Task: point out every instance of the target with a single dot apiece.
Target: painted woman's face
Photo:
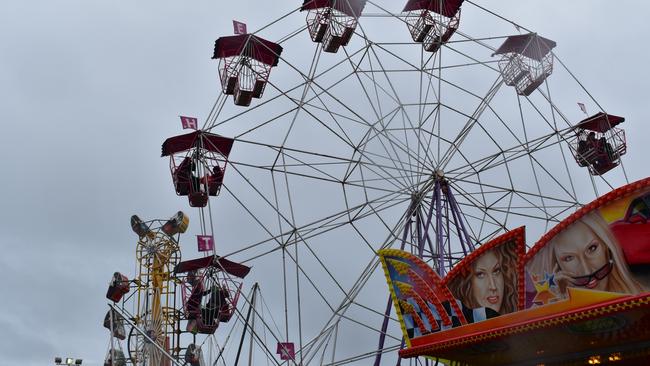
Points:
(580, 252)
(487, 281)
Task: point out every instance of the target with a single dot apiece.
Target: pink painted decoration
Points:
(239, 27)
(205, 242)
(286, 350)
(189, 122)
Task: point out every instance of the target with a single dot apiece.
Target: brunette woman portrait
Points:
(491, 282)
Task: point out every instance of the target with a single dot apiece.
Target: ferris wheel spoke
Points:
(407, 122)
(454, 85)
(513, 189)
(472, 203)
(215, 111)
(350, 295)
(502, 191)
(474, 61)
(316, 288)
(364, 356)
(291, 34)
(398, 148)
(320, 90)
(507, 155)
(455, 146)
(516, 211)
(322, 336)
(305, 274)
(535, 165)
(392, 152)
(306, 82)
(432, 75)
(552, 122)
(435, 89)
(320, 226)
(259, 341)
(533, 161)
(564, 155)
(255, 217)
(391, 176)
(359, 215)
(382, 172)
(299, 270)
(377, 110)
(317, 229)
(300, 104)
(356, 287)
(413, 67)
(511, 210)
(285, 219)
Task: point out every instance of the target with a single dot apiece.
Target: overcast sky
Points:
(90, 89)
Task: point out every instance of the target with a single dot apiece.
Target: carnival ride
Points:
(401, 128)
(591, 305)
(208, 289)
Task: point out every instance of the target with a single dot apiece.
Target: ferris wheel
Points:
(347, 126)
(154, 315)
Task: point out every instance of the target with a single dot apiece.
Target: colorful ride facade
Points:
(580, 295)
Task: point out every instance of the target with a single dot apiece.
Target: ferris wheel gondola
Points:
(194, 355)
(245, 63)
(114, 322)
(599, 143)
(118, 287)
(431, 22)
(198, 164)
(526, 62)
(211, 290)
(332, 23)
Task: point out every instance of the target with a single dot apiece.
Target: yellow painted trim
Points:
(382, 257)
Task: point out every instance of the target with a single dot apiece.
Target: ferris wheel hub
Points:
(151, 335)
(151, 250)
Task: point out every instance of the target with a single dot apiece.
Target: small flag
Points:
(286, 350)
(583, 108)
(189, 122)
(205, 242)
(239, 27)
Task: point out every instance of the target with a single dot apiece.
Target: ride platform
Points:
(590, 327)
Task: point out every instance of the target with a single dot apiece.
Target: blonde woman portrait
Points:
(585, 255)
